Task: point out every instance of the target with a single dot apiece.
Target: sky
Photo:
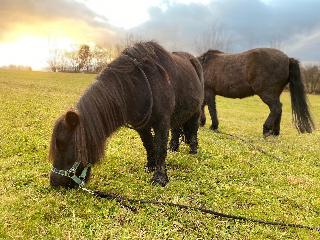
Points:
(31, 29)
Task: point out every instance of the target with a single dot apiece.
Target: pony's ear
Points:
(72, 119)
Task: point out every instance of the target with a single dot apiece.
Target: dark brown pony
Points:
(263, 72)
(147, 88)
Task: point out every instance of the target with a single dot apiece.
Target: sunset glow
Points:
(36, 30)
(27, 51)
(31, 45)
(30, 51)
(30, 34)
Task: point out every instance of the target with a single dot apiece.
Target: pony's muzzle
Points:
(61, 181)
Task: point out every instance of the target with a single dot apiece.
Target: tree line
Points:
(16, 67)
(88, 59)
(311, 78)
(92, 59)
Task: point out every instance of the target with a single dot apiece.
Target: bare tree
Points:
(213, 38)
(131, 39)
(53, 61)
(58, 60)
(84, 56)
(276, 42)
(72, 61)
(100, 57)
(128, 40)
(117, 49)
(311, 77)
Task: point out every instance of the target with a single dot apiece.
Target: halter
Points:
(148, 114)
(71, 173)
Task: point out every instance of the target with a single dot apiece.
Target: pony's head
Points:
(70, 167)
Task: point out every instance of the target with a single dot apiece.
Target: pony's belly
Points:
(183, 112)
(234, 89)
(236, 93)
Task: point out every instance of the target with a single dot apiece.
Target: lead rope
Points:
(121, 200)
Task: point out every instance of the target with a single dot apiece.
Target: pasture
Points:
(226, 175)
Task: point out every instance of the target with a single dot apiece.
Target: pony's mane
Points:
(103, 107)
(53, 145)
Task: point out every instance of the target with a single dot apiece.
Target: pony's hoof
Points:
(193, 151)
(202, 122)
(193, 148)
(174, 147)
(276, 133)
(214, 129)
(186, 140)
(160, 178)
(267, 133)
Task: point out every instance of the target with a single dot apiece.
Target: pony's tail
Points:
(198, 67)
(300, 110)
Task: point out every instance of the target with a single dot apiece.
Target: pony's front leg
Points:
(147, 140)
(160, 141)
(190, 129)
(175, 137)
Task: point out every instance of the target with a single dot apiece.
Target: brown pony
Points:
(262, 71)
(147, 88)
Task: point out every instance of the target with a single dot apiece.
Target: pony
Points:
(146, 88)
(262, 71)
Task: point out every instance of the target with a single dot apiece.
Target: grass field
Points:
(226, 175)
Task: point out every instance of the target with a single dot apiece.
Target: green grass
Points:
(226, 175)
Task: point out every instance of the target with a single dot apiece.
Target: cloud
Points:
(306, 47)
(293, 25)
(49, 18)
(249, 24)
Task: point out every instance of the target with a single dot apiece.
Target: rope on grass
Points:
(124, 200)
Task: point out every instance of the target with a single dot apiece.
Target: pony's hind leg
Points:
(160, 142)
(272, 123)
(203, 116)
(147, 140)
(190, 129)
(210, 99)
(175, 136)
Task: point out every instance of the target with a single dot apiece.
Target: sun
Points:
(33, 51)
